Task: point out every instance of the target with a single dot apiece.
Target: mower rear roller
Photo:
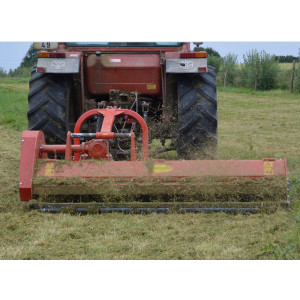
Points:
(147, 208)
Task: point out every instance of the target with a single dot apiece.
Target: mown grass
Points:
(220, 236)
(252, 125)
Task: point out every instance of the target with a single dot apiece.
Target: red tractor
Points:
(169, 85)
(95, 106)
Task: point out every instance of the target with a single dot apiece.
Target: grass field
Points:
(251, 125)
(282, 66)
(287, 66)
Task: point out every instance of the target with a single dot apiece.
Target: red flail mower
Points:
(83, 175)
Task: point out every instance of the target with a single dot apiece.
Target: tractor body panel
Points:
(125, 72)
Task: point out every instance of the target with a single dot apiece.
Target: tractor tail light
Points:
(57, 54)
(51, 54)
(43, 54)
(202, 69)
(201, 54)
(41, 69)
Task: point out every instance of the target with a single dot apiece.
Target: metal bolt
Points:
(21, 183)
(22, 141)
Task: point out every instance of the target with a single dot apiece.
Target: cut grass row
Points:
(252, 125)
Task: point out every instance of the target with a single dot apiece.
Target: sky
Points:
(12, 53)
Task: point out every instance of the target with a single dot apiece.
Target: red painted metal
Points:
(108, 121)
(61, 47)
(73, 54)
(170, 169)
(172, 55)
(83, 148)
(105, 135)
(33, 148)
(184, 47)
(68, 151)
(133, 147)
(30, 152)
(82, 84)
(61, 148)
(125, 72)
(106, 130)
(57, 54)
(201, 54)
(98, 149)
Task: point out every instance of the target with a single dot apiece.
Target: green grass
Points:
(251, 125)
(13, 104)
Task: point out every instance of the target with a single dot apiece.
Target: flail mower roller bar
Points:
(98, 209)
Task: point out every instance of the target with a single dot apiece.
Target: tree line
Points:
(286, 59)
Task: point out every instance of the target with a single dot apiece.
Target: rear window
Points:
(123, 44)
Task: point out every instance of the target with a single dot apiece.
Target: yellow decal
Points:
(49, 170)
(104, 133)
(162, 168)
(151, 86)
(268, 168)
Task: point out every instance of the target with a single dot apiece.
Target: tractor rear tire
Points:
(197, 116)
(48, 106)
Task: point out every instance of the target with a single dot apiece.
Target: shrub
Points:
(259, 70)
(229, 68)
(284, 79)
(2, 72)
(30, 59)
(215, 62)
(210, 51)
(20, 72)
